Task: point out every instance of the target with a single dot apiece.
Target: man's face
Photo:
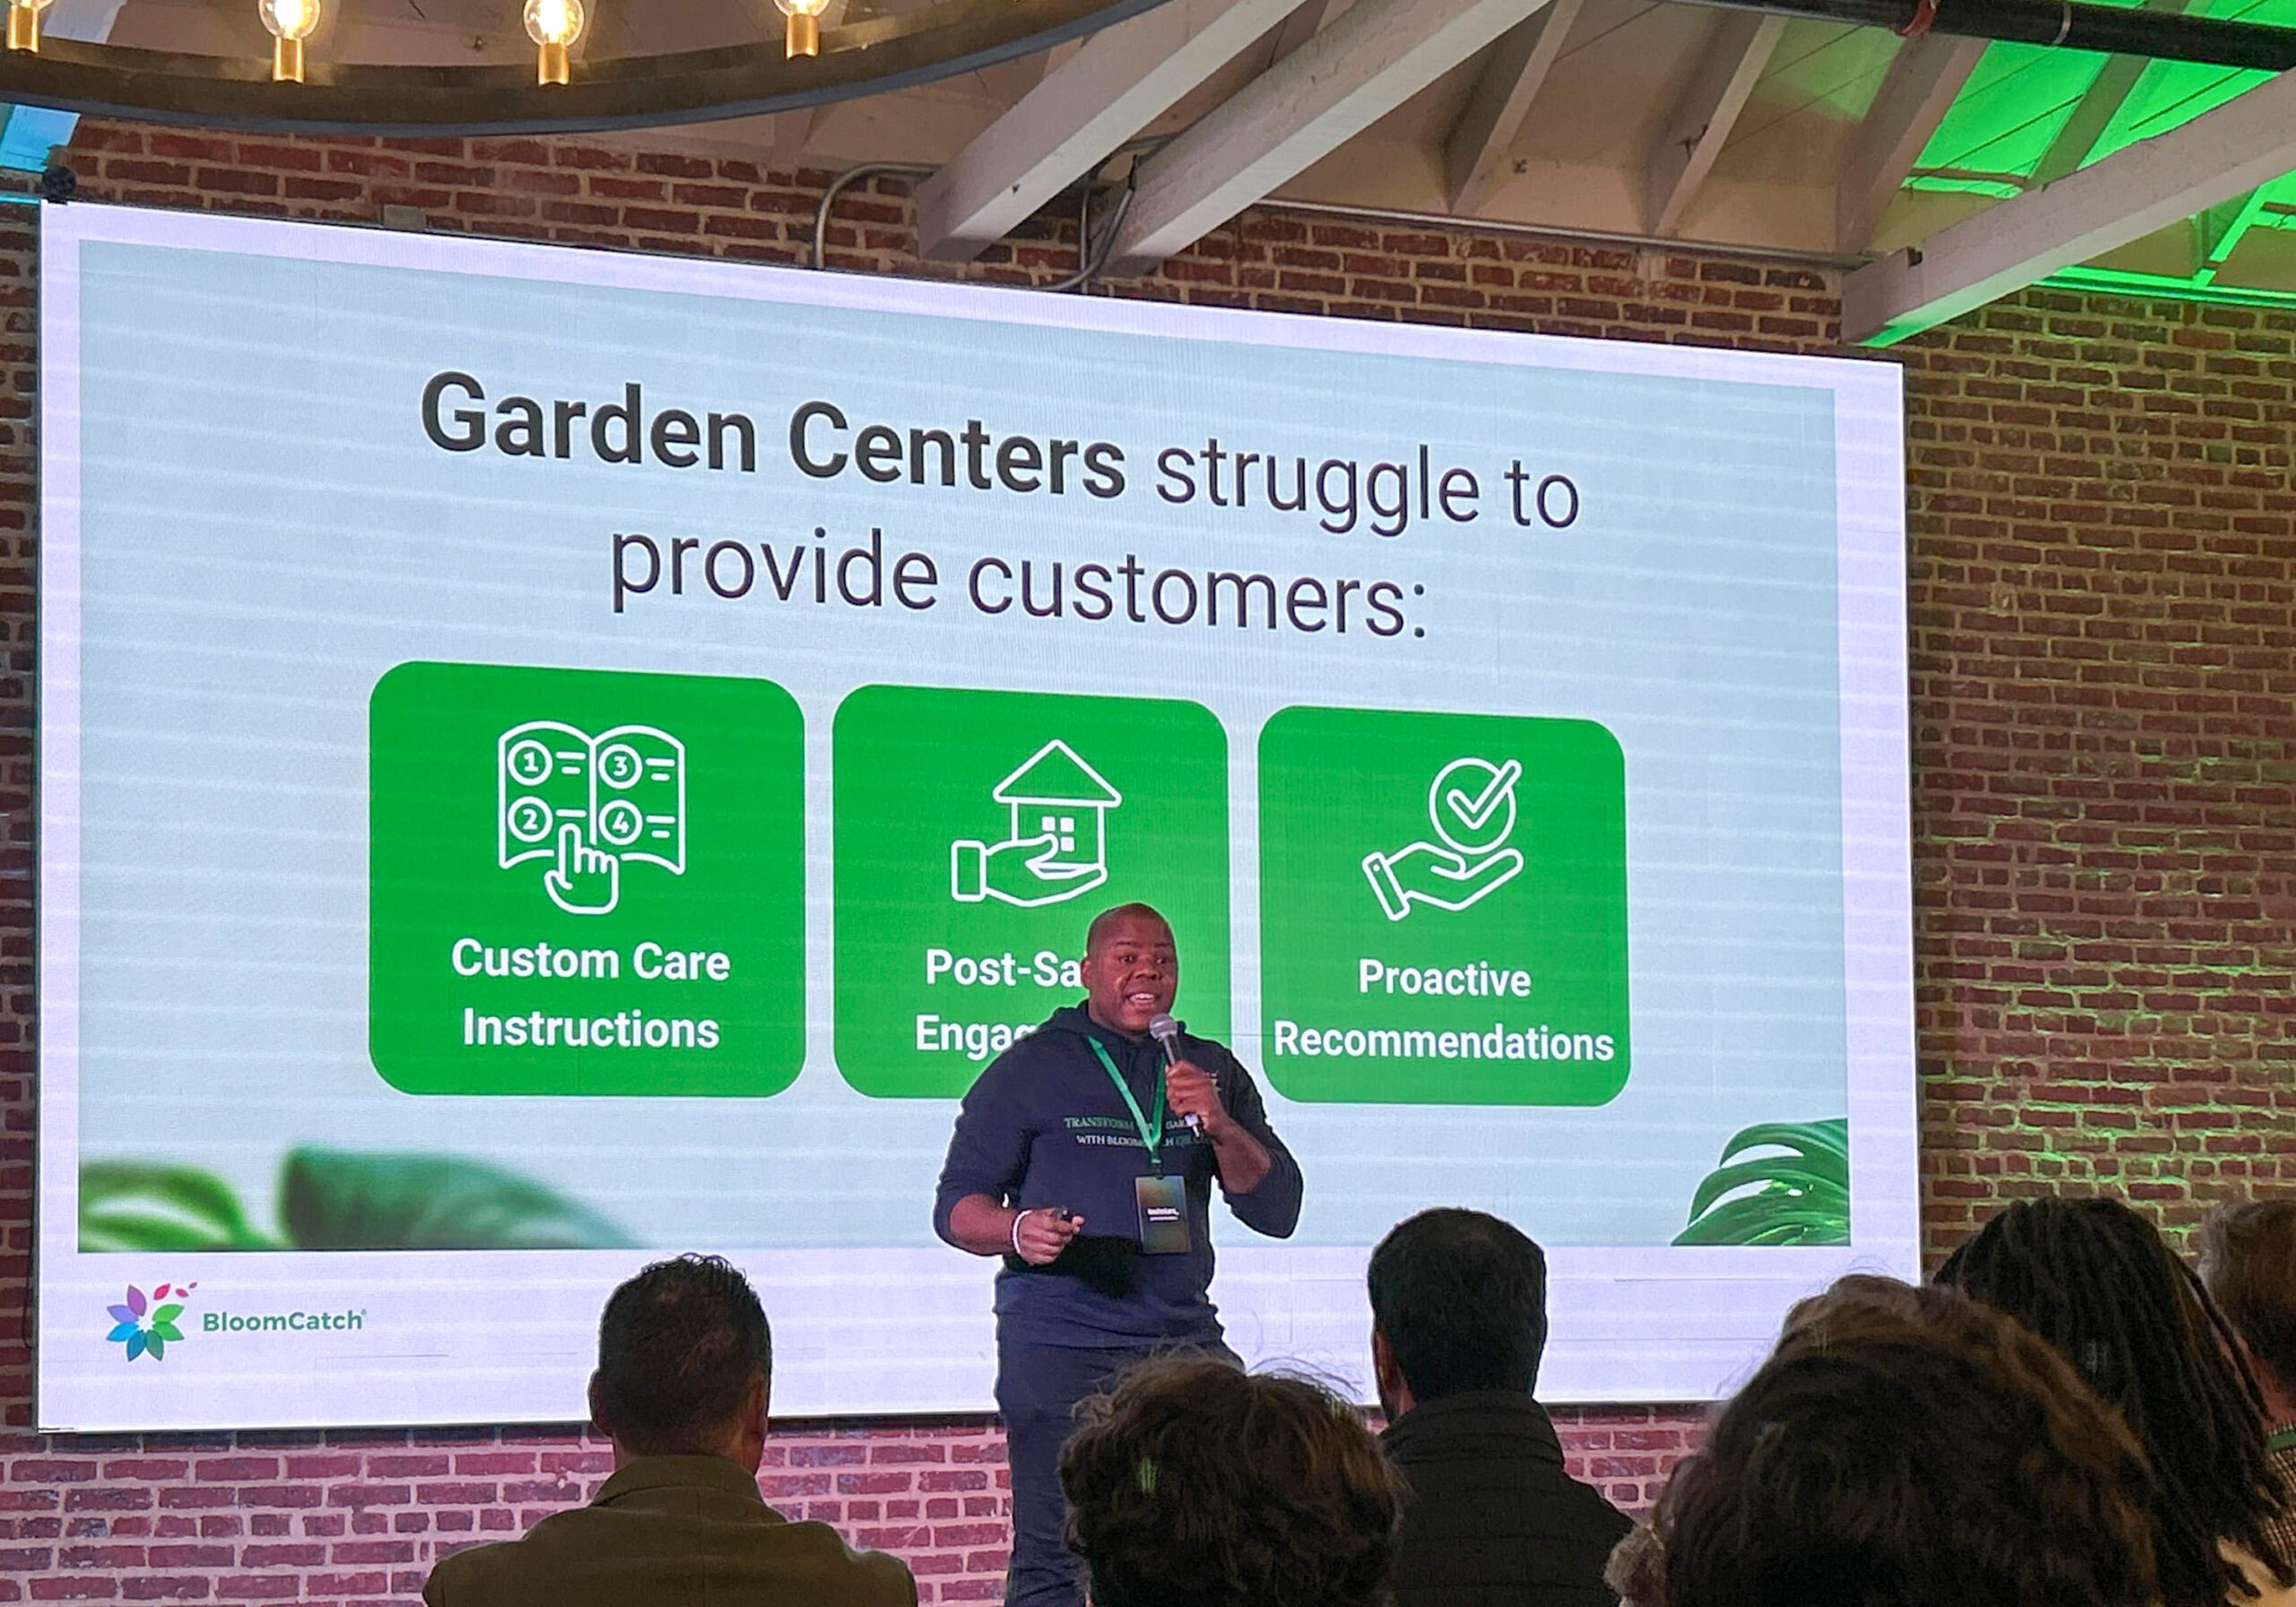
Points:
(1132, 975)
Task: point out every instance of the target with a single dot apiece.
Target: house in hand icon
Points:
(1055, 846)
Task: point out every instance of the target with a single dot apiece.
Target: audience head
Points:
(1904, 1447)
(1459, 1304)
(1193, 1484)
(685, 1363)
(2098, 1281)
(2248, 1265)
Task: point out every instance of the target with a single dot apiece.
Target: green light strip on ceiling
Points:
(2114, 282)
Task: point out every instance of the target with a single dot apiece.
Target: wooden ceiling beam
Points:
(1729, 67)
(1356, 70)
(1479, 152)
(2093, 113)
(1916, 92)
(2152, 185)
(1122, 80)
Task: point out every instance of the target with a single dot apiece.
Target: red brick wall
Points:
(2101, 564)
(2103, 570)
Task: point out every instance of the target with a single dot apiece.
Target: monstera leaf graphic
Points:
(332, 1200)
(127, 1205)
(1779, 1183)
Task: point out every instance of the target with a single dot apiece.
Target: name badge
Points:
(1162, 1202)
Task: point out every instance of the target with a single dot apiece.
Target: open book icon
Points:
(590, 805)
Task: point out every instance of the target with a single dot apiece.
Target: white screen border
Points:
(1632, 1325)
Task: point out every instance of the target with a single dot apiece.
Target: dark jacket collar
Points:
(668, 1473)
(1078, 1019)
(1482, 1417)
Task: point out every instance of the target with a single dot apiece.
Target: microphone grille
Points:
(1164, 1029)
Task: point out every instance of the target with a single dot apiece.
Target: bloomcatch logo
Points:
(147, 1327)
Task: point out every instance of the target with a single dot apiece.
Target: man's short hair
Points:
(1909, 1445)
(680, 1346)
(1461, 1298)
(1115, 913)
(2248, 1260)
(1195, 1485)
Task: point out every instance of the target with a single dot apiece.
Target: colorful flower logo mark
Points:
(146, 1327)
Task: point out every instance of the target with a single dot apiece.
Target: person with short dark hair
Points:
(1459, 1315)
(684, 1375)
(1906, 1447)
(2098, 1281)
(1194, 1484)
(1084, 1159)
(2248, 1265)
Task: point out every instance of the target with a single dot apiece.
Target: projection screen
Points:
(552, 758)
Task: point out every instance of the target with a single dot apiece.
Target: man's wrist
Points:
(1015, 1233)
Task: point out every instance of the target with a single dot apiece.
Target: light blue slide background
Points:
(266, 531)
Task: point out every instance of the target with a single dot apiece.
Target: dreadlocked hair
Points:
(2099, 1282)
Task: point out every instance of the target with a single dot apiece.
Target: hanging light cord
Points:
(837, 187)
(1089, 261)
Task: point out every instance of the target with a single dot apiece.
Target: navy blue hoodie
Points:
(1043, 1126)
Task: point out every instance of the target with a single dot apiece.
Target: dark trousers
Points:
(1037, 1388)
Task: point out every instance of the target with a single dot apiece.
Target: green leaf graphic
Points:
(166, 1314)
(1798, 1197)
(157, 1343)
(165, 1331)
(136, 1205)
(332, 1200)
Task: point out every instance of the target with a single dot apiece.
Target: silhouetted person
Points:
(2098, 1281)
(685, 1369)
(1458, 1313)
(1906, 1447)
(2248, 1265)
(1194, 1484)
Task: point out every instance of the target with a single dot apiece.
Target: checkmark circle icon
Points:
(1471, 804)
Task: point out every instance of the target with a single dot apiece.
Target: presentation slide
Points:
(549, 759)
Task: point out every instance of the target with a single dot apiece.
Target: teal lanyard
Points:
(1151, 1134)
(2282, 1439)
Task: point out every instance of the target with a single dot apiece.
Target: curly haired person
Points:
(2098, 1281)
(1904, 1447)
(1193, 1484)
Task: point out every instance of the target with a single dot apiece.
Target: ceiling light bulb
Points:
(24, 23)
(804, 37)
(291, 22)
(554, 25)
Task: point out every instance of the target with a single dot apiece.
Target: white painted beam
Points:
(2093, 113)
(2086, 123)
(89, 20)
(1122, 80)
(1922, 80)
(1479, 152)
(1295, 31)
(791, 131)
(1362, 66)
(1700, 126)
(2218, 231)
(2152, 185)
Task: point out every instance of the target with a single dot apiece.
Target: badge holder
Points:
(1160, 1201)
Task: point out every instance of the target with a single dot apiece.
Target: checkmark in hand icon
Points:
(1469, 860)
(1474, 812)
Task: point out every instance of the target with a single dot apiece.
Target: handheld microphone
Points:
(1167, 1032)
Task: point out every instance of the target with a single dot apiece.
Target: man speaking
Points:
(1084, 1157)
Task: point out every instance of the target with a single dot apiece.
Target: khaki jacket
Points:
(672, 1532)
